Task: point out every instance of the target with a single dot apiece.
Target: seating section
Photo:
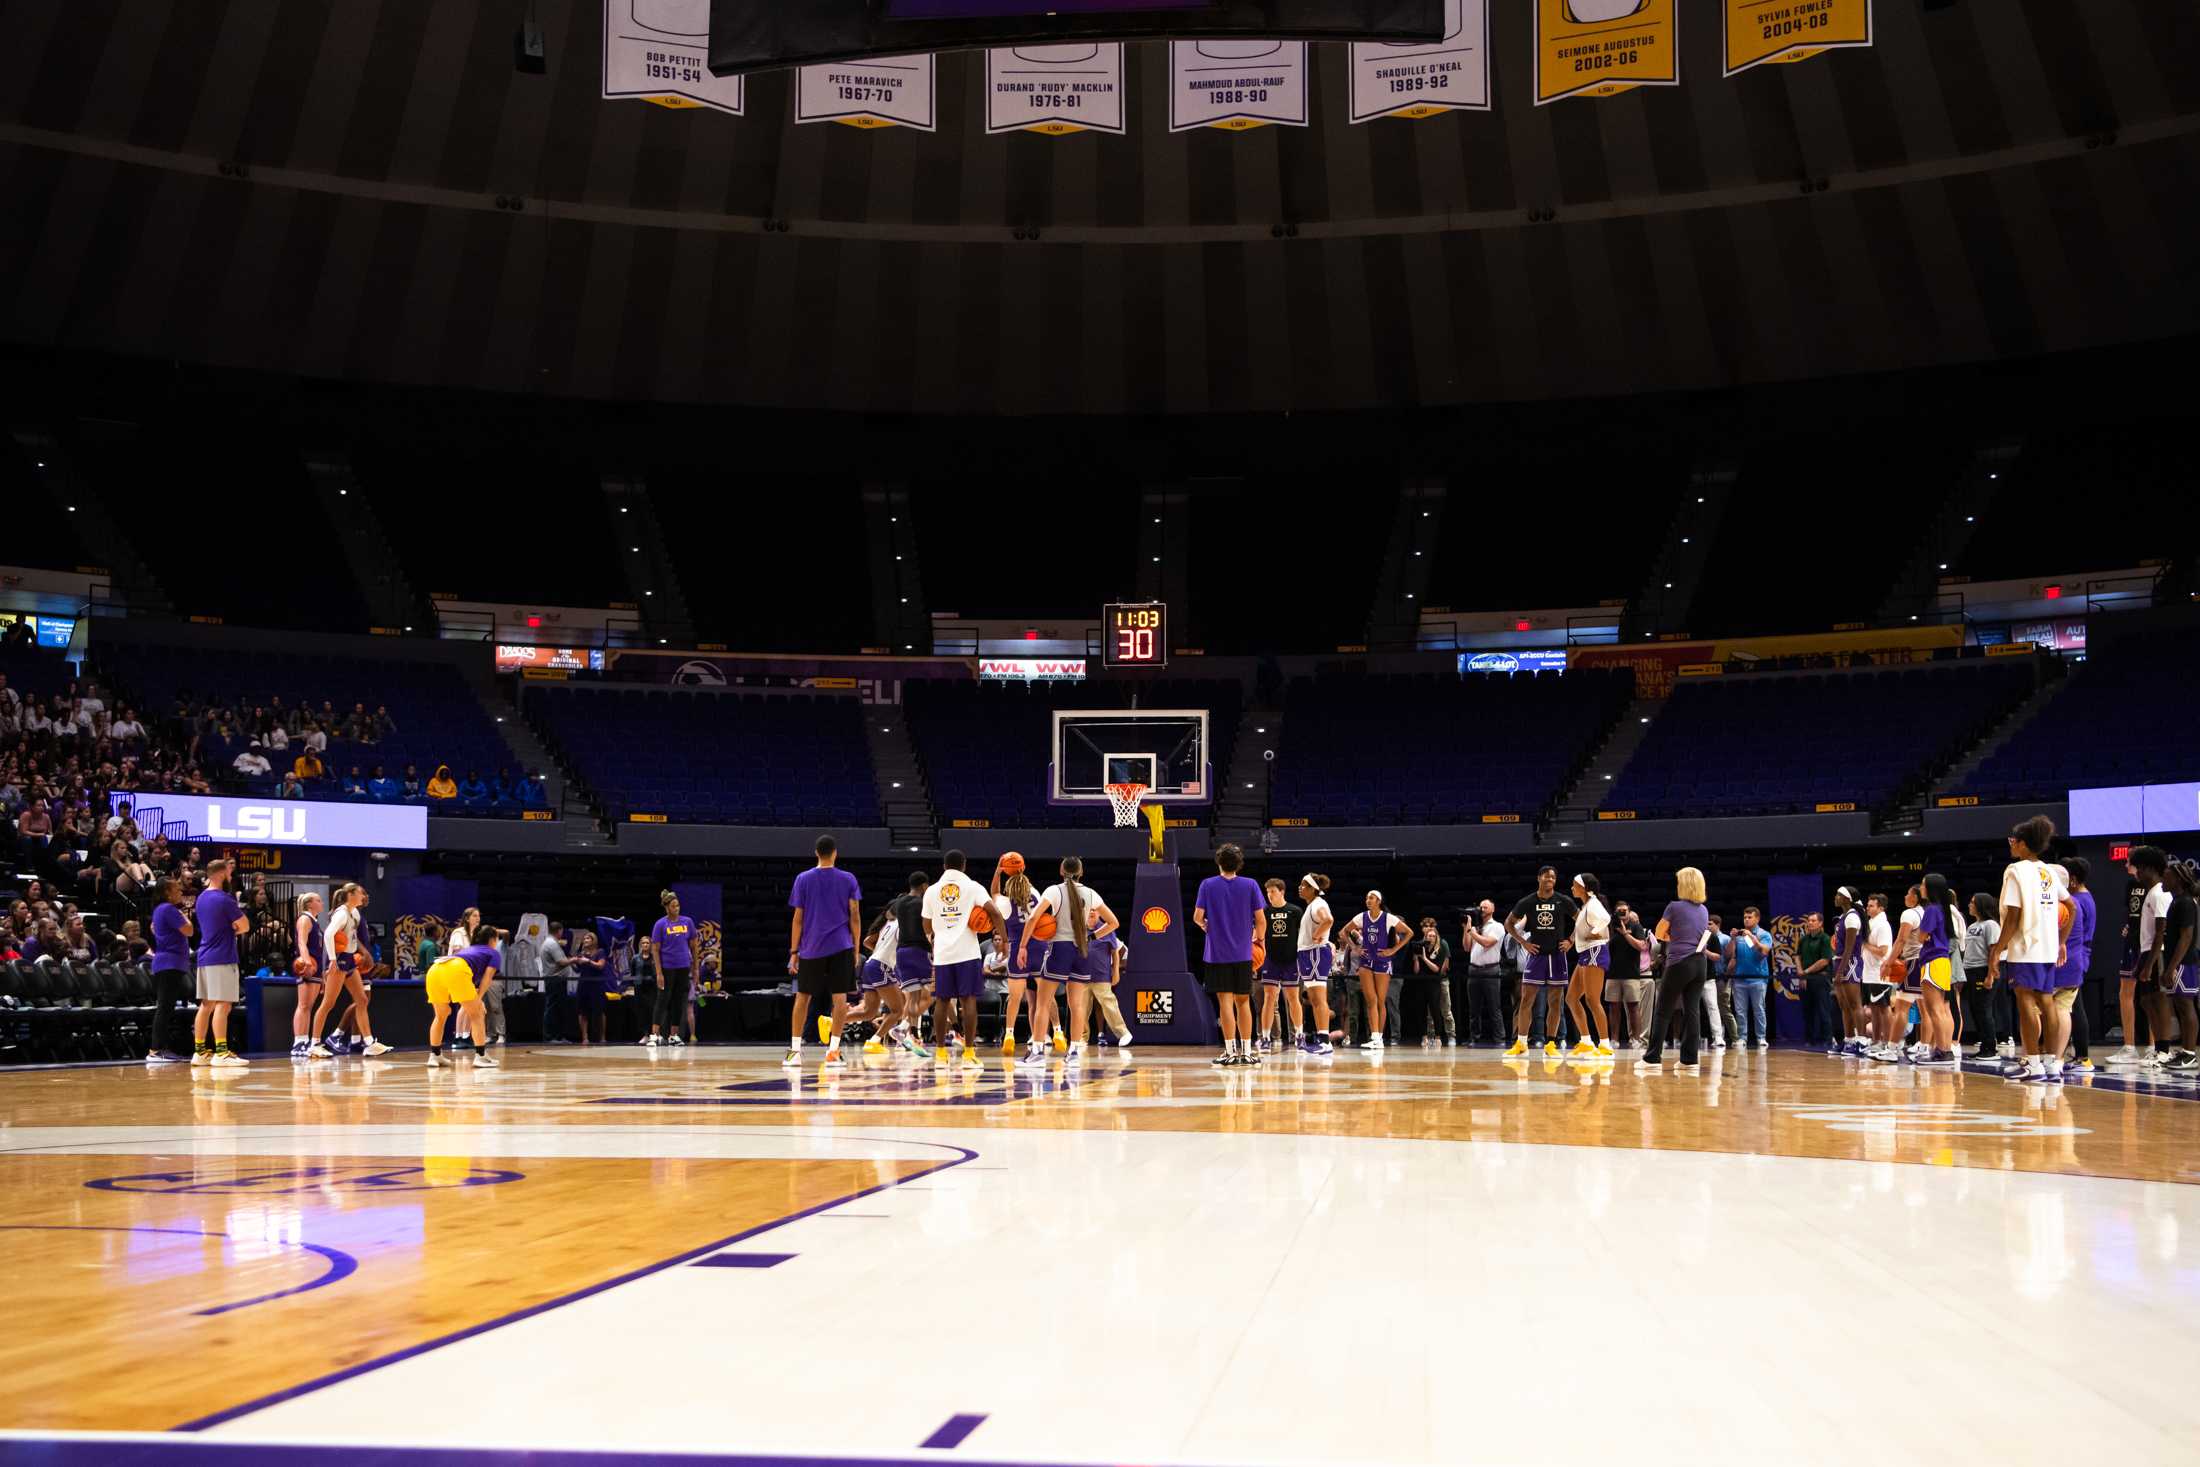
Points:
(714, 758)
(54, 1012)
(438, 718)
(2121, 719)
(985, 746)
(1435, 749)
(1767, 744)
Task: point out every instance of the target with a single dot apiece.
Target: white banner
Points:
(1423, 80)
(1055, 89)
(1236, 84)
(659, 50)
(1031, 669)
(878, 91)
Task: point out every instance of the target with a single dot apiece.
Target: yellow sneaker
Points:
(1583, 1049)
(1008, 1044)
(971, 1060)
(942, 1057)
(1550, 1049)
(1061, 1042)
(1607, 1049)
(1520, 1047)
(825, 1029)
(873, 1046)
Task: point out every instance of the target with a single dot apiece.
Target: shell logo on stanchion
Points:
(1154, 920)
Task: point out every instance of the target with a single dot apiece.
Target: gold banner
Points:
(650, 819)
(1656, 664)
(1700, 669)
(1758, 31)
(971, 824)
(1291, 823)
(2010, 649)
(1600, 48)
(1835, 807)
(1615, 814)
(1954, 802)
(1501, 820)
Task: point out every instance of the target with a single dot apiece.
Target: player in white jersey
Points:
(1585, 989)
(1079, 915)
(1317, 959)
(878, 992)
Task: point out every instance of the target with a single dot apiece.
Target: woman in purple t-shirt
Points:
(1683, 929)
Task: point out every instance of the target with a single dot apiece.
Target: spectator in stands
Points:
(533, 793)
(34, 833)
(442, 786)
(315, 738)
(355, 784)
(77, 944)
(411, 787)
(252, 764)
(278, 737)
(381, 787)
(126, 729)
(382, 723)
(267, 945)
(308, 765)
(10, 700)
(472, 790)
(45, 940)
(431, 939)
(290, 788)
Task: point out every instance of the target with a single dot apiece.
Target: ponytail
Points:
(1073, 900)
(1018, 891)
(666, 898)
(1319, 882)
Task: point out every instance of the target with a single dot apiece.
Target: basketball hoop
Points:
(1124, 798)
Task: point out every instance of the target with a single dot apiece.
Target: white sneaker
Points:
(318, 1051)
(228, 1060)
(649, 1041)
(200, 1058)
(1125, 1040)
(374, 1048)
(2007, 1049)
(2125, 1057)
(1076, 1053)
(435, 1061)
(793, 1061)
(482, 1058)
(674, 1039)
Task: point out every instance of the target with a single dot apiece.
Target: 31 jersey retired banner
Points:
(659, 50)
(1600, 48)
(1758, 31)
(878, 91)
(1236, 84)
(1421, 81)
(1055, 90)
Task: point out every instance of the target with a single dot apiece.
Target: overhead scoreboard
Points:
(1134, 634)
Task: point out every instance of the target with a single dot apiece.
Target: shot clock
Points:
(1134, 634)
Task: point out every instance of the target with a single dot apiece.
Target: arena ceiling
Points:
(369, 190)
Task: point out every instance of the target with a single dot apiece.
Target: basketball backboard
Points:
(1164, 749)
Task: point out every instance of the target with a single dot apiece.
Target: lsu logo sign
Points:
(1154, 1006)
(290, 822)
(1155, 920)
(274, 823)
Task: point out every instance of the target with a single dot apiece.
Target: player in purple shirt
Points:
(1230, 910)
(827, 930)
(219, 920)
(672, 954)
(1934, 972)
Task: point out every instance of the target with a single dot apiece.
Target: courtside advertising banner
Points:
(1236, 84)
(1421, 81)
(1055, 90)
(1600, 48)
(1758, 31)
(659, 51)
(216, 818)
(879, 91)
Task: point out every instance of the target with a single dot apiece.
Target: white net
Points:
(1123, 799)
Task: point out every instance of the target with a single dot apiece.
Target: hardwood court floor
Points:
(1433, 1257)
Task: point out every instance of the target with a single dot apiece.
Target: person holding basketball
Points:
(956, 913)
(1075, 914)
(1542, 923)
(1014, 901)
(344, 937)
(306, 932)
(912, 964)
(1375, 928)
(1229, 911)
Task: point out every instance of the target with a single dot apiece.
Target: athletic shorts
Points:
(1280, 975)
(1373, 962)
(1315, 964)
(1545, 969)
(2072, 973)
(826, 976)
(2184, 983)
(1233, 978)
(1939, 972)
(2066, 999)
(1595, 955)
(912, 968)
(219, 984)
(1035, 958)
(451, 981)
(1065, 964)
(2039, 977)
(874, 976)
(1876, 994)
(965, 979)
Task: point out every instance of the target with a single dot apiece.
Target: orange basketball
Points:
(981, 920)
(1012, 863)
(1260, 953)
(1043, 927)
(304, 967)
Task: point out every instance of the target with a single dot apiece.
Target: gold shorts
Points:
(451, 981)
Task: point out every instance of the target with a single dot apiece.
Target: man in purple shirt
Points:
(219, 921)
(828, 929)
(1229, 910)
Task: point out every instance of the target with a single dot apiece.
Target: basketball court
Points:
(1434, 1257)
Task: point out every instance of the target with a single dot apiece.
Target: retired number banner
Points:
(878, 91)
(1600, 48)
(1423, 80)
(1236, 84)
(1758, 31)
(659, 50)
(1055, 90)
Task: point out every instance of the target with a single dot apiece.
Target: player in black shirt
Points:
(1280, 973)
(1543, 924)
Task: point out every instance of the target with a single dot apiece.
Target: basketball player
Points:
(1877, 993)
(958, 963)
(671, 954)
(1848, 983)
(2031, 946)
(1937, 927)
(1375, 929)
(1316, 958)
(1075, 914)
(821, 946)
(1542, 923)
(875, 989)
(220, 921)
(1229, 910)
(2147, 865)
(306, 932)
(912, 965)
(1592, 940)
(458, 980)
(344, 938)
(2180, 978)
(1014, 900)
(1280, 974)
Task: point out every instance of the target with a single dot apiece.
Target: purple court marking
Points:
(261, 1403)
(952, 1433)
(341, 1265)
(281, 1180)
(743, 1260)
(92, 1450)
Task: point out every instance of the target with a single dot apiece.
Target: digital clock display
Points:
(1135, 635)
